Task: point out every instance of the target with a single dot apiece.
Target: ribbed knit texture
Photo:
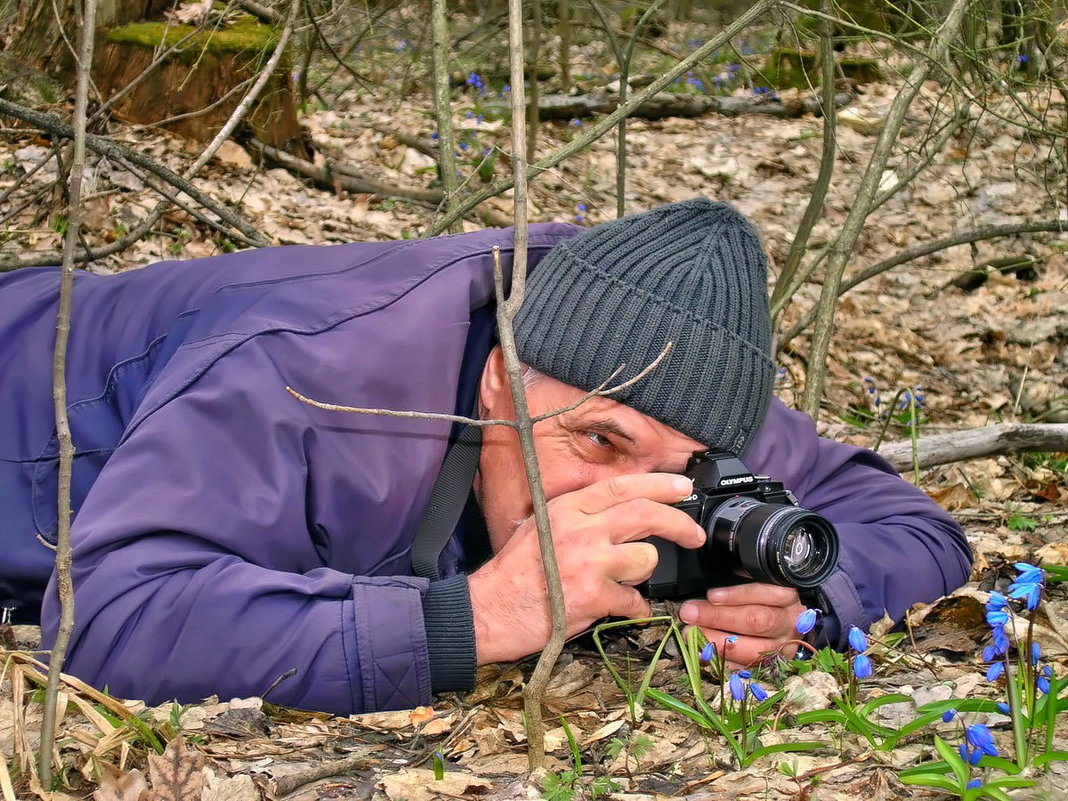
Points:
(691, 273)
(450, 634)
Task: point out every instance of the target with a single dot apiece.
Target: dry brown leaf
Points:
(117, 786)
(229, 788)
(176, 775)
(1056, 553)
(955, 496)
(419, 784)
(420, 715)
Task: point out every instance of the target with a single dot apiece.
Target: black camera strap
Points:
(447, 501)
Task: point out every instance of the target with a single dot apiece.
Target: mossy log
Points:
(787, 68)
(192, 93)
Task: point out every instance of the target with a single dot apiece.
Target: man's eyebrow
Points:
(606, 425)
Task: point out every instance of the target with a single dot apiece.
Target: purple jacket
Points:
(226, 533)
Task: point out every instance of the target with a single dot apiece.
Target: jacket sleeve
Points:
(898, 547)
(201, 566)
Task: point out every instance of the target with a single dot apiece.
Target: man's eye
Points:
(600, 440)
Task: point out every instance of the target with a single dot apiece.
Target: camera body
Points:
(756, 532)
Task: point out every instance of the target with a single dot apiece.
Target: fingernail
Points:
(718, 596)
(701, 531)
(688, 613)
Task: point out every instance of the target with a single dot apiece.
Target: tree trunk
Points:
(41, 40)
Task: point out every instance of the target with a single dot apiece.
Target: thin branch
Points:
(843, 245)
(926, 249)
(443, 107)
(65, 588)
(785, 285)
(596, 131)
(978, 443)
(449, 418)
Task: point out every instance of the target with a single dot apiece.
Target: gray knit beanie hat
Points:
(691, 273)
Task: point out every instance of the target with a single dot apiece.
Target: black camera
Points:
(756, 532)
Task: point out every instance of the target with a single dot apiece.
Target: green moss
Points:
(242, 36)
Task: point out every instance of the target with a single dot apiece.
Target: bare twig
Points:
(65, 589)
(842, 247)
(785, 285)
(926, 249)
(287, 784)
(596, 131)
(443, 108)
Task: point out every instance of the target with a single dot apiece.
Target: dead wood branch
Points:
(260, 11)
(427, 147)
(977, 443)
(334, 176)
(287, 784)
(666, 104)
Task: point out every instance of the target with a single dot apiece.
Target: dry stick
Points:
(926, 249)
(563, 32)
(535, 87)
(842, 247)
(784, 288)
(958, 446)
(65, 589)
(106, 147)
(755, 11)
(443, 107)
(507, 308)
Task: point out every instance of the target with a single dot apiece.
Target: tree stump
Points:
(194, 91)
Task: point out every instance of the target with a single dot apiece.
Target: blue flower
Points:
(806, 621)
(857, 640)
(1036, 653)
(974, 783)
(581, 207)
(1023, 58)
(463, 145)
(997, 617)
(861, 666)
(434, 135)
(576, 122)
(970, 756)
(1003, 708)
(708, 652)
(736, 686)
(996, 601)
(1029, 592)
(948, 715)
(979, 737)
(995, 671)
(990, 653)
(469, 114)
(1029, 574)
(731, 640)
(745, 674)
(475, 80)
(1001, 639)
(758, 692)
(1042, 683)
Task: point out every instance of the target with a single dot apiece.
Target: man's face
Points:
(598, 440)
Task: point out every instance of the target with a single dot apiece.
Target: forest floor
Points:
(995, 353)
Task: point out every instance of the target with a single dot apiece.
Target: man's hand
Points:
(761, 616)
(595, 533)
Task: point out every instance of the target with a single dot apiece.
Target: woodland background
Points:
(948, 212)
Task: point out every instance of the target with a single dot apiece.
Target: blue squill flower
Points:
(1036, 653)
(857, 640)
(1001, 639)
(1003, 708)
(979, 737)
(1042, 683)
(1029, 574)
(990, 653)
(948, 715)
(759, 693)
(997, 617)
(996, 601)
(861, 666)
(731, 640)
(745, 674)
(806, 621)
(1027, 591)
(974, 783)
(995, 671)
(708, 652)
(736, 686)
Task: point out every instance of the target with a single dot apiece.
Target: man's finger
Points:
(633, 562)
(753, 593)
(753, 620)
(640, 518)
(626, 602)
(743, 650)
(601, 495)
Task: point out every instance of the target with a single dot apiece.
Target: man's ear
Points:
(493, 385)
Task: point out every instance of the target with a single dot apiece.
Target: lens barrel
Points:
(774, 542)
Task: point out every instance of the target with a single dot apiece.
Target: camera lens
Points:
(776, 543)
